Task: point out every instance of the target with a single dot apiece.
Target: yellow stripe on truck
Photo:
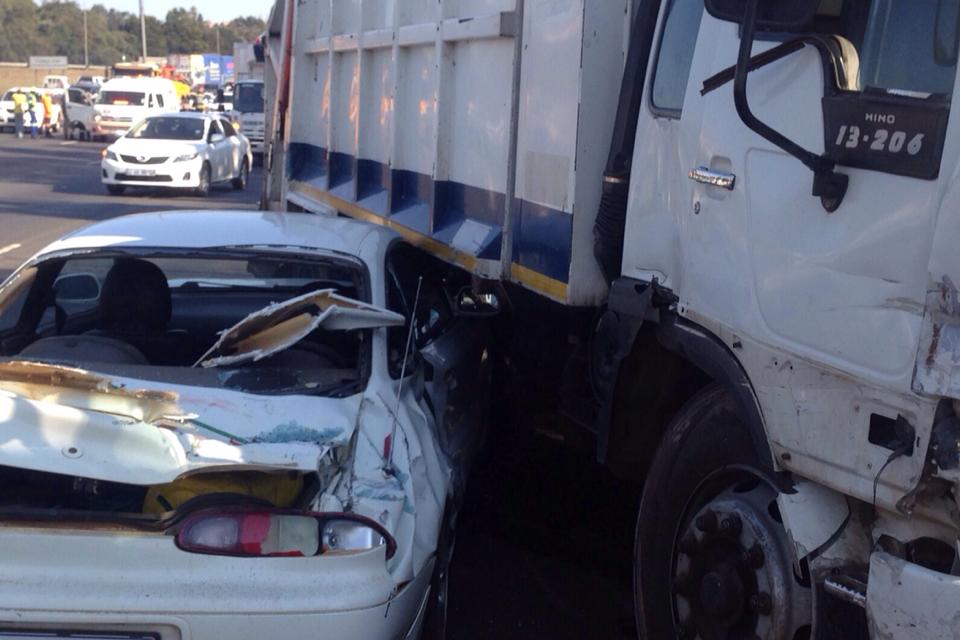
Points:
(546, 285)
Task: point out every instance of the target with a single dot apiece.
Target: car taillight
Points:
(281, 534)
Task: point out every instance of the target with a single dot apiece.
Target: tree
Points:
(56, 28)
(186, 31)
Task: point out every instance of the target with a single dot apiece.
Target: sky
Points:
(214, 10)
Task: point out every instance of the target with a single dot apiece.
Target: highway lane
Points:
(49, 187)
(544, 539)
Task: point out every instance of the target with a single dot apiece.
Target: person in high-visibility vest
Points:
(32, 113)
(19, 110)
(47, 102)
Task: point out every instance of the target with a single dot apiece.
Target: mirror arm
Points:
(828, 185)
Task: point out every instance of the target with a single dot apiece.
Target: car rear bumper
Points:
(908, 602)
(94, 582)
(177, 175)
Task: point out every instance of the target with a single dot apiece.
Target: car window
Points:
(173, 308)
(13, 297)
(214, 128)
(677, 44)
(228, 129)
(168, 128)
(433, 314)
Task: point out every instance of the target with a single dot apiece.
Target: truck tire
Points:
(712, 558)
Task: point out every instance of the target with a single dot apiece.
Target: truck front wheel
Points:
(712, 558)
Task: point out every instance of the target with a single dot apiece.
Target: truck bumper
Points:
(909, 602)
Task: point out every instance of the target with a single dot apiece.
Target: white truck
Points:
(124, 101)
(730, 229)
(248, 108)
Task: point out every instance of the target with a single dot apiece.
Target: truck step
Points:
(847, 588)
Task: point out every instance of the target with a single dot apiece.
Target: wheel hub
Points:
(733, 571)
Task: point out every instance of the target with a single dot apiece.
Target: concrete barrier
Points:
(18, 74)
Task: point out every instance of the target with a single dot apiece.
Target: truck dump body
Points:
(459, 124)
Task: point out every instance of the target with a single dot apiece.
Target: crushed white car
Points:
(234, 425)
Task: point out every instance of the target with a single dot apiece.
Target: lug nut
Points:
(707, 522)
(731, 525)
(753, 557)
(761, 603)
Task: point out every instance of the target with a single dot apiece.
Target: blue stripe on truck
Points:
(467, 218)
(542, 239)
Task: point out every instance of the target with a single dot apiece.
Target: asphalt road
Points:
(544, 540)
(49, 187)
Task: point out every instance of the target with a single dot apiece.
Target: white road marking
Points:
(9, 248)
(68, 142)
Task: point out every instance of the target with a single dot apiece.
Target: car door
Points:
(234, 148)
(218, 151)
(453, 352)
(864, 266)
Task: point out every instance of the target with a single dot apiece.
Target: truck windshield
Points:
(167, 128)
(907, 46)
(249, 98)
(122, 98)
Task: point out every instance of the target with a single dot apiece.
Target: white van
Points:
(123, 102)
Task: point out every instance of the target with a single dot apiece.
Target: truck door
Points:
(846, 287)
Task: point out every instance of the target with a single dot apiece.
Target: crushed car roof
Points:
(211, 229)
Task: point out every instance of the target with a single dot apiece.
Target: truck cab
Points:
(248, 108)
(731, 224)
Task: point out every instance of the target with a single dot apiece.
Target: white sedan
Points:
(231, 425)
(180, 151)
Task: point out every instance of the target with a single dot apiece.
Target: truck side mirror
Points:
(780, 15)
(772, 15)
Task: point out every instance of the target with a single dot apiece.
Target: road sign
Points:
(48, 62)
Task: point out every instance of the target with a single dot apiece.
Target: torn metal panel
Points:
(407, 492)
(81, 389)
(812, 515)
(282, 325)
(938, 356)
(70, 421)
(908, 602)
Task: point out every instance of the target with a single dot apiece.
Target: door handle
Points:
(705, 175)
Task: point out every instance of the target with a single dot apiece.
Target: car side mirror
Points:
(76, 287)
(216, 137)
(471, 303)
